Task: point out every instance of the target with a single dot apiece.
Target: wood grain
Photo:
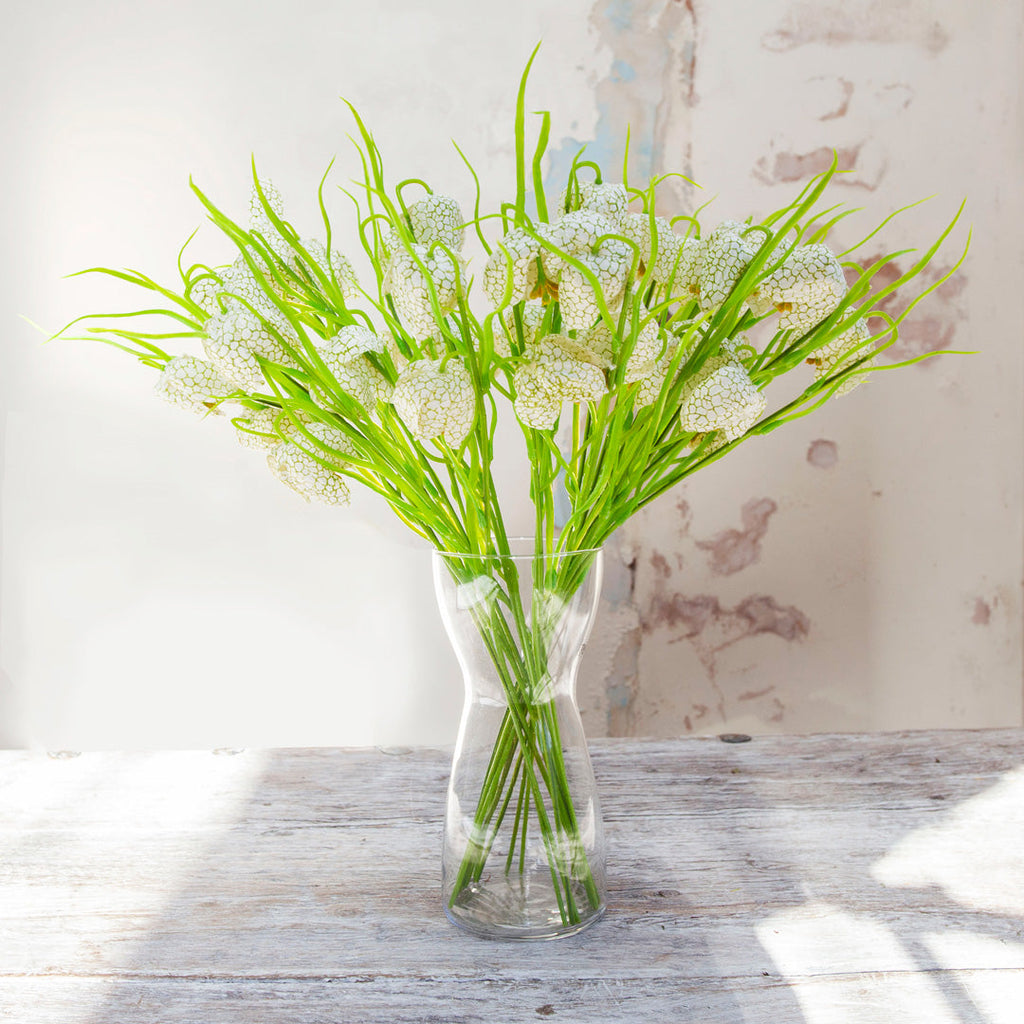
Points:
(831, 878)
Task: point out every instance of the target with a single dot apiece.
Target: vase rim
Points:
(521, 555)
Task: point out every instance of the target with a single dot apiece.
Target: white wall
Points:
(159, 588)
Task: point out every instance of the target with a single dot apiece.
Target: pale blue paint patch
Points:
(619, 695)
(620, 15)
(623, 71)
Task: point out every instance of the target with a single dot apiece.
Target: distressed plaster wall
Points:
(860, 569)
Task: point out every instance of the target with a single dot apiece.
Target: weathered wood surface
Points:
(822, 879)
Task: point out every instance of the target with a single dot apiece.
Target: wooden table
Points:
(845, 879)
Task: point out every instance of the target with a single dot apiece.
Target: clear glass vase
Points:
(523, 844)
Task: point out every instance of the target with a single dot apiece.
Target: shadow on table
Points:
(742, 890)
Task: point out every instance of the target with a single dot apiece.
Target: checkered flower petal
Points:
(229, 343)
(806, 288)
(647, 349)
(517, 253)
(437, 219)
(247, 330)
(675, 257)
(263, 428)
(534, 404)
(431, 401)
(352, 341)
(306, 476)
(335, 263)
(725, 254)
(408, 287)
(329, 444)
(558, 370)
(687, 268)
(721, 397)
(650, 385)
(842, 352)
(577, 299)
(260, 222)
(240, 281)
(205, 293)
(192, 384)
(609, 200)
(576, 233)
(566, 370)
(356, 377)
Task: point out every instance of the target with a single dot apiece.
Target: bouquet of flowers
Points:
(631, 348)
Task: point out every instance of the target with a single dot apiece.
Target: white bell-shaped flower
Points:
(557, 370)
(437, 219)
(234, 339)
(531, 318)
(805, 289)
(205, 293)
(721, 396)
(334, 263)
(193, 384)
(722, 258)
(262, 429)
(407, 284)
(260, 222)
(576, 233)
(512, 267)
(842, 352)
(344, 357)
(308, 476)
(431, 400)
(609, 200)
(670, 246)
(577, 298)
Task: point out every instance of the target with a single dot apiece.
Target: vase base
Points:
(491, 915)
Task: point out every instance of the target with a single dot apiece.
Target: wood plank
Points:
(772, 879)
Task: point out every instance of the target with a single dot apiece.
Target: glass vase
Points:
(523, 844)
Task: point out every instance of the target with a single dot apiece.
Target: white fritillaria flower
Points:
(205, 293)
(240, 284)
(669, 261)
(431, 400)
(840, 353)
(436, 223)
(343, 355)
(720, 397)
(805, 289)
(577, 235)
(437, 219)
(260, 222)
(307, 476)
(232, 342)
(610, 200)
(647, 349)
(192, 384)
(264, 428)
(722, 258)
(610, 264)
(516, 254)
(558, 370)
(408, 286)
(531, 317)
(336, 263)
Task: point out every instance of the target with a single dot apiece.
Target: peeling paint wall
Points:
(860, 569)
